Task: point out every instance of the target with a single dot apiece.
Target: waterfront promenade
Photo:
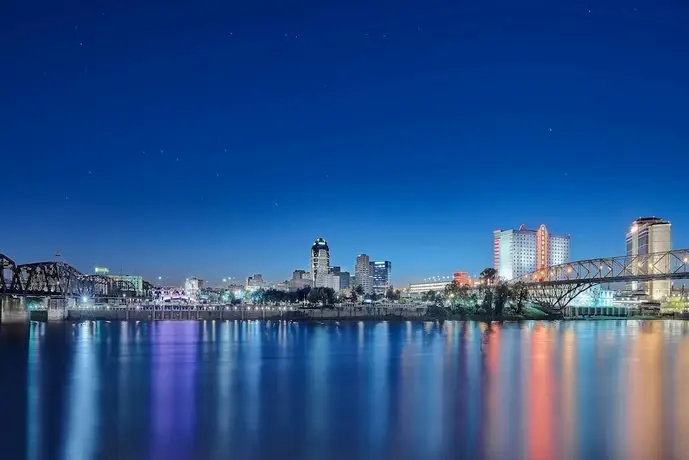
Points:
(236, 312)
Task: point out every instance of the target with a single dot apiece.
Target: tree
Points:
(257, 296)
(456, 294)
(488, 275)
(359, 290)
(486, 289)
(431, 296)
(322, 295)
(519, 295)
(353, 296)
(502, 295)
(392, 294)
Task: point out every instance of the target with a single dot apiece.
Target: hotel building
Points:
(522, 251)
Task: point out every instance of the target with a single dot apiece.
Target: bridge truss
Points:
(553, 288)
(58, 279)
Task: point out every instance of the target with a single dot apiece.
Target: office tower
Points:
(320, 262)
(381, 276)
(648, 235)
(362, 271)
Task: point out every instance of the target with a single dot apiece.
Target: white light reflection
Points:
(81, 430)
(226, 372)
(124, 409)
(252, 370)
(318, 385)
(379, 396)
(34, 420)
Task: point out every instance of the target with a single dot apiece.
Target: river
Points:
(371, 390)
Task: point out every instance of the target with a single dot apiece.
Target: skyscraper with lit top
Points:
(320, 262)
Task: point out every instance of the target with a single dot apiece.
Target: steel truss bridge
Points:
(553, 288)
(58, 279)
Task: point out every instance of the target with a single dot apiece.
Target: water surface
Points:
(274, 390)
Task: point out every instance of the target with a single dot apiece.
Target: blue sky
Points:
(220, 139)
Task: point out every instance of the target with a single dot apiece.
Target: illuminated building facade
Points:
(381, 276)
(522, 251)
(320, 262)
(416, 289)
(192, 287)
(461, 278)
(137, 281)
(646, 236)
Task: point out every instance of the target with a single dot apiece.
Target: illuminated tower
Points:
(320, 262)
(648, 235)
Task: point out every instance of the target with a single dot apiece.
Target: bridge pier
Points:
(57, 307)
(13, 310)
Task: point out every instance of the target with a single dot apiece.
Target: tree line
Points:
(492, 298)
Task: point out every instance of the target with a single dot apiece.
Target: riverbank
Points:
(311, 315)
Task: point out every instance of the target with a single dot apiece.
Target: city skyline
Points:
(279, 278)
(177, 140)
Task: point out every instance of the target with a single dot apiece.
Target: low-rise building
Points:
(420, 288)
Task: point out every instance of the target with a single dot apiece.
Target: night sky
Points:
(221, 138)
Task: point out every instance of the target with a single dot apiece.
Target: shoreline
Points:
(354, 319)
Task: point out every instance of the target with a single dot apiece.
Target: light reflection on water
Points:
(217, 390)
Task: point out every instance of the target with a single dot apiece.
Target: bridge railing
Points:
(659, 265)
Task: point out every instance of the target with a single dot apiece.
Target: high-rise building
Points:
(381, 276)
(320, 262)
(522, 251)
(362, 271)
(648, 235)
